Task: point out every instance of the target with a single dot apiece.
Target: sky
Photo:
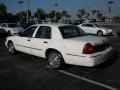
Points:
(71, 6)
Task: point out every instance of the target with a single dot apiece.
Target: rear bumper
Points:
(101, 58)
(90, 60)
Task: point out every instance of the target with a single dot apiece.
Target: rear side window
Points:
(71, 31)
(43, 32)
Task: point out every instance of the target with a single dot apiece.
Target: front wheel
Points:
(100, 33)
(55, 60)
(11, 48)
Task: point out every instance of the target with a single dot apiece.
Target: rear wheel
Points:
(100, 33)
(55, 60)
(11, 48)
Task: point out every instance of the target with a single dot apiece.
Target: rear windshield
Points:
(71, 31)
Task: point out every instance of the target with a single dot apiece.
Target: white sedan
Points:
(61, 43)
(95, 29)
(11, 28)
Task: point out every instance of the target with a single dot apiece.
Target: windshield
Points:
(12, 25)
(71, 31)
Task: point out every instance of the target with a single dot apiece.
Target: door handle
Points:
(28, 40)
(45, 42)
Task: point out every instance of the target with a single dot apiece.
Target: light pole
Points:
(110, 2)
(20, 2)
(55, 11)
(27, 10)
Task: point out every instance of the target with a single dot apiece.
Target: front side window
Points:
(29, 31)
(71, 31)
(43, 32)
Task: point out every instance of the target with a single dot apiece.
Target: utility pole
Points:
(55, 11)
(27, 10)
(110, 2)
(20, 3)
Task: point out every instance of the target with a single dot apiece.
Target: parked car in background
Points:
(61, 43)
(11, 28)
(2, 32)
(66, 22)
(92, 28)
(25, 24)
(78, 22)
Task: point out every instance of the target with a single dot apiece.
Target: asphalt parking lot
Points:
(27, 72)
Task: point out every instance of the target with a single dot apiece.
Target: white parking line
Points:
(88, 80)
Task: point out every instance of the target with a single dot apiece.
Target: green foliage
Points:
(3, 11)
(40, 14)
(116, 17)
(83, 14)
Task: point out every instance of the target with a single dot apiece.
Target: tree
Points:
(82, 11)
(3, 11)
(116, 18)
(24, 15)
(58, 16)
(87, 15)
(40, 14)
(68, 16)
(79, 16)
(64, 14)
(52, 15)
(83, 14)
(10, 17)
(29, 13)
(93, 13)
(99, 16)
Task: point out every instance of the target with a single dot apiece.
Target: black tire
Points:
(9, 33)
(100, 33)
(55, 60)
(11, 48)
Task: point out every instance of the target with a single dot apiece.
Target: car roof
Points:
(8, 23)
(57, 24)
(87, 23)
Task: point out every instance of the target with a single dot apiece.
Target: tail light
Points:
(88, 49)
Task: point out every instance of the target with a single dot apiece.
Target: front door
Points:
(23, 42)
(41, 41)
